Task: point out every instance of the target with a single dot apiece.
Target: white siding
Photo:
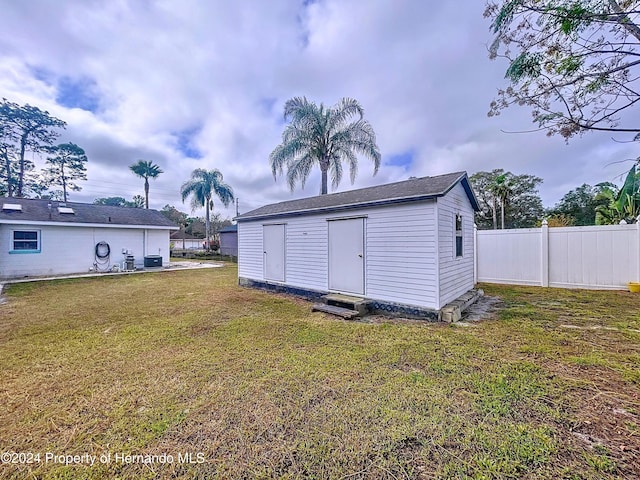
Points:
(305, 250)
(71, 249)
(455, 273)
(307, 258)
(250, 254)
(400, 252)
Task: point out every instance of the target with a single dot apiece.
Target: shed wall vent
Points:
(67, 210)
(12, 207)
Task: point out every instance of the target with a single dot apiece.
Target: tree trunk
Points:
(146, 192)
(64, 184)
(323, 187)
(207, 226)
(624, 19)
(502, 213)
(7, 164)
(494, 212)
(23, 146)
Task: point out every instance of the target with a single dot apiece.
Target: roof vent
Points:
(12, 207)
(67, 210)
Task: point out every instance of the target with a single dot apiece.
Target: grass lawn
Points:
(254, 385)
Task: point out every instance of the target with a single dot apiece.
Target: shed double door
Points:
(346, 255)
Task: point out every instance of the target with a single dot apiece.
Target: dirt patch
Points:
(606, 413)
(484, 308)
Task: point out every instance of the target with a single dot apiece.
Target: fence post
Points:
(544, 242)
(638, 248)
(475, 253)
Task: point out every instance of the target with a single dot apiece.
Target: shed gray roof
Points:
(36, 210)
(414, 189)
(229, 229)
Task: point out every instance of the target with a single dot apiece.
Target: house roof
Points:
(180, 234)
(37, 211)
(229, 229)
(414, 189)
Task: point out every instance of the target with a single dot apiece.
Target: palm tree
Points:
(202, 186)
(146, 170)
(326, 137)
(501, 190)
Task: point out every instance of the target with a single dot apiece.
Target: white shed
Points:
(407, 247)
(42, 237)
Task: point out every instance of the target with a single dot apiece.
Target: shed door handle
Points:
(360, 255)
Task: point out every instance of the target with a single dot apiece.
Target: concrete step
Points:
(346, 301)
(332, 309)
(452, 312)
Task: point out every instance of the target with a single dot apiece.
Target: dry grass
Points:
(189, 362)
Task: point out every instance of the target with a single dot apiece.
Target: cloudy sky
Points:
(195, 83)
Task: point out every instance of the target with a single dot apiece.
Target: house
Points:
(229, 240)
(42, 237)
(182, 240)
(407, 247)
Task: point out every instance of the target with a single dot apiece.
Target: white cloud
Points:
(222, 71)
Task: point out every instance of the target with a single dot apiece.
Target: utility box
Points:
(153, 261)
(129, 261)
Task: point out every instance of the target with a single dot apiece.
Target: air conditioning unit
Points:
(153, 261)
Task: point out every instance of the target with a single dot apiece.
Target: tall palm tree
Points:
(202, 186)
(146, 169)
(326, 137)
(501, 190)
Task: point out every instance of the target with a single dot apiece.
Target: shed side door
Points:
(346, 255)
(273, 243)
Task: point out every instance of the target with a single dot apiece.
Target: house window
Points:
(25, 241)
(458, 235)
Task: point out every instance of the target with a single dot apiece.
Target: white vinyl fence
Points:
(598, 257)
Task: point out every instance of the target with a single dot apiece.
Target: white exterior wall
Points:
(157, 244)
(306, 252)
(401, 243)
(400, 252)
(250, 250)
(71, 249)
(455, 273)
